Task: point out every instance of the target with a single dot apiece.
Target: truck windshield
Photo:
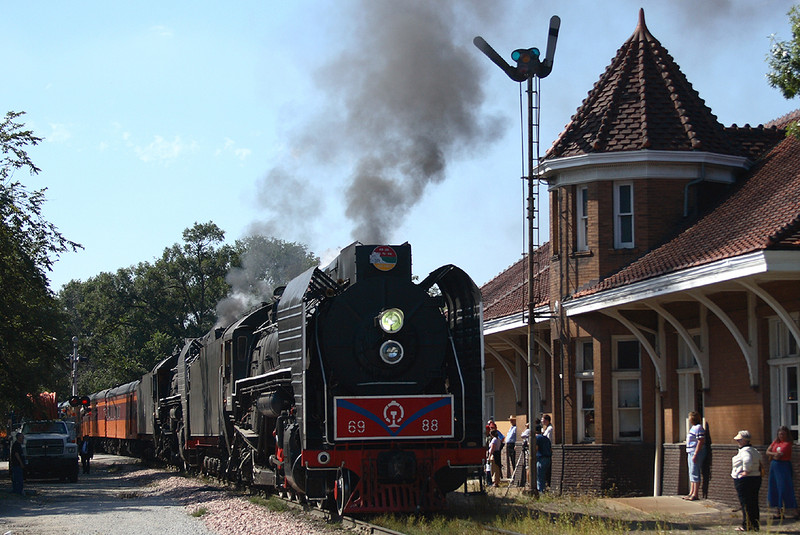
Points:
(44, 427)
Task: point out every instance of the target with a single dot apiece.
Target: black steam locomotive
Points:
(356, 389)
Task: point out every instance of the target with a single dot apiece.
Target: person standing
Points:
(547, 427)
(493, 457)
(511, 443)
(501, 437)
(695, 453)
(547, 431)
(17, 464)
(780, 489)
(87, 452)
(746, 474)
(544, 453)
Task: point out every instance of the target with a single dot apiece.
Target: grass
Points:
(531, 523)
(273, 503)
(199, 512)
(518, 513)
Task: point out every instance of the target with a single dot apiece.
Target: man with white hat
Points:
(746, 474)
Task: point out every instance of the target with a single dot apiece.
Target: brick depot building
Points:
(670, 283)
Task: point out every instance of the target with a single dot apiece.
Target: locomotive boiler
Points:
(357, 388)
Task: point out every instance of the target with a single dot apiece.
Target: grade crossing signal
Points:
(80, 401)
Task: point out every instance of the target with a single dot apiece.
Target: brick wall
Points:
(608, 469)
(675, 479)
(717, 484)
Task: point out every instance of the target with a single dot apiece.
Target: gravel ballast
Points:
(122, 497)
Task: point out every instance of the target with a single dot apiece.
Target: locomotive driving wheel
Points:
(342, 490)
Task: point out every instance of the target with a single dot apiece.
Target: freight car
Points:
(356, 389)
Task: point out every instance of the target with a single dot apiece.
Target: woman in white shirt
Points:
(696, 454)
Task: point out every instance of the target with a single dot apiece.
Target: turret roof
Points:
(642, 101)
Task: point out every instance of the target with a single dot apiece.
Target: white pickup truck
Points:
(50, 449)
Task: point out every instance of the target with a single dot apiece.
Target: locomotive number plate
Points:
(391, 417)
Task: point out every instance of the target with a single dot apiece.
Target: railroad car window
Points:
(228, 352)
(241, 348)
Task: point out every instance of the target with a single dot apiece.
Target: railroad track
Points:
(347, 522)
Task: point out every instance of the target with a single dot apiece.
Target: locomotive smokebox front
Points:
(397, 340)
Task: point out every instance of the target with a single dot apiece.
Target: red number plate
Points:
(388, 417)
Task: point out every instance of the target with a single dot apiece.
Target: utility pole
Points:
(74, 360)
(529, 66)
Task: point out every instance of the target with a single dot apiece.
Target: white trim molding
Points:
(642, 164)
(729, 269)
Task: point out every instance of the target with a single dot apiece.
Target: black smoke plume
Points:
(401, 99)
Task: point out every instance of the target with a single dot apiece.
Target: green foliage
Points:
(33, 338)
(793, 129)
(129, 320)
(20, 209)
(784, 64)
(784, 59)
(194, 273)
(273, 503)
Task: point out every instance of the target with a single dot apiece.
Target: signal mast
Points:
(529, 68)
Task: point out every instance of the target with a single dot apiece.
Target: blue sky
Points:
(281, 117)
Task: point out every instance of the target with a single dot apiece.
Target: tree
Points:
(196, 273)
(131, 319)
(784, 64)
(33, 336)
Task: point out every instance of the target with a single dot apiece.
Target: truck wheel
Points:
(73, 476)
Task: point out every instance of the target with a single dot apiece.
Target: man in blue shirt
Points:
(543, 454)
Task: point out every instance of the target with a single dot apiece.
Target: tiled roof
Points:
(753, 142)
(762, 214)
(642, 101)
(783, 122)
(507, 293)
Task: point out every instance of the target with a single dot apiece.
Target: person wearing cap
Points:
(511, 442)
(746, 474)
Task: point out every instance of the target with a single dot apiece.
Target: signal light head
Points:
(74, 401)
(525, 55)
(85, 401)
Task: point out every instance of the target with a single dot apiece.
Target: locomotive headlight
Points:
(391, 320)
(391, 352)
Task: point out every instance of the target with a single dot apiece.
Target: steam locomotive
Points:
(356, 389)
